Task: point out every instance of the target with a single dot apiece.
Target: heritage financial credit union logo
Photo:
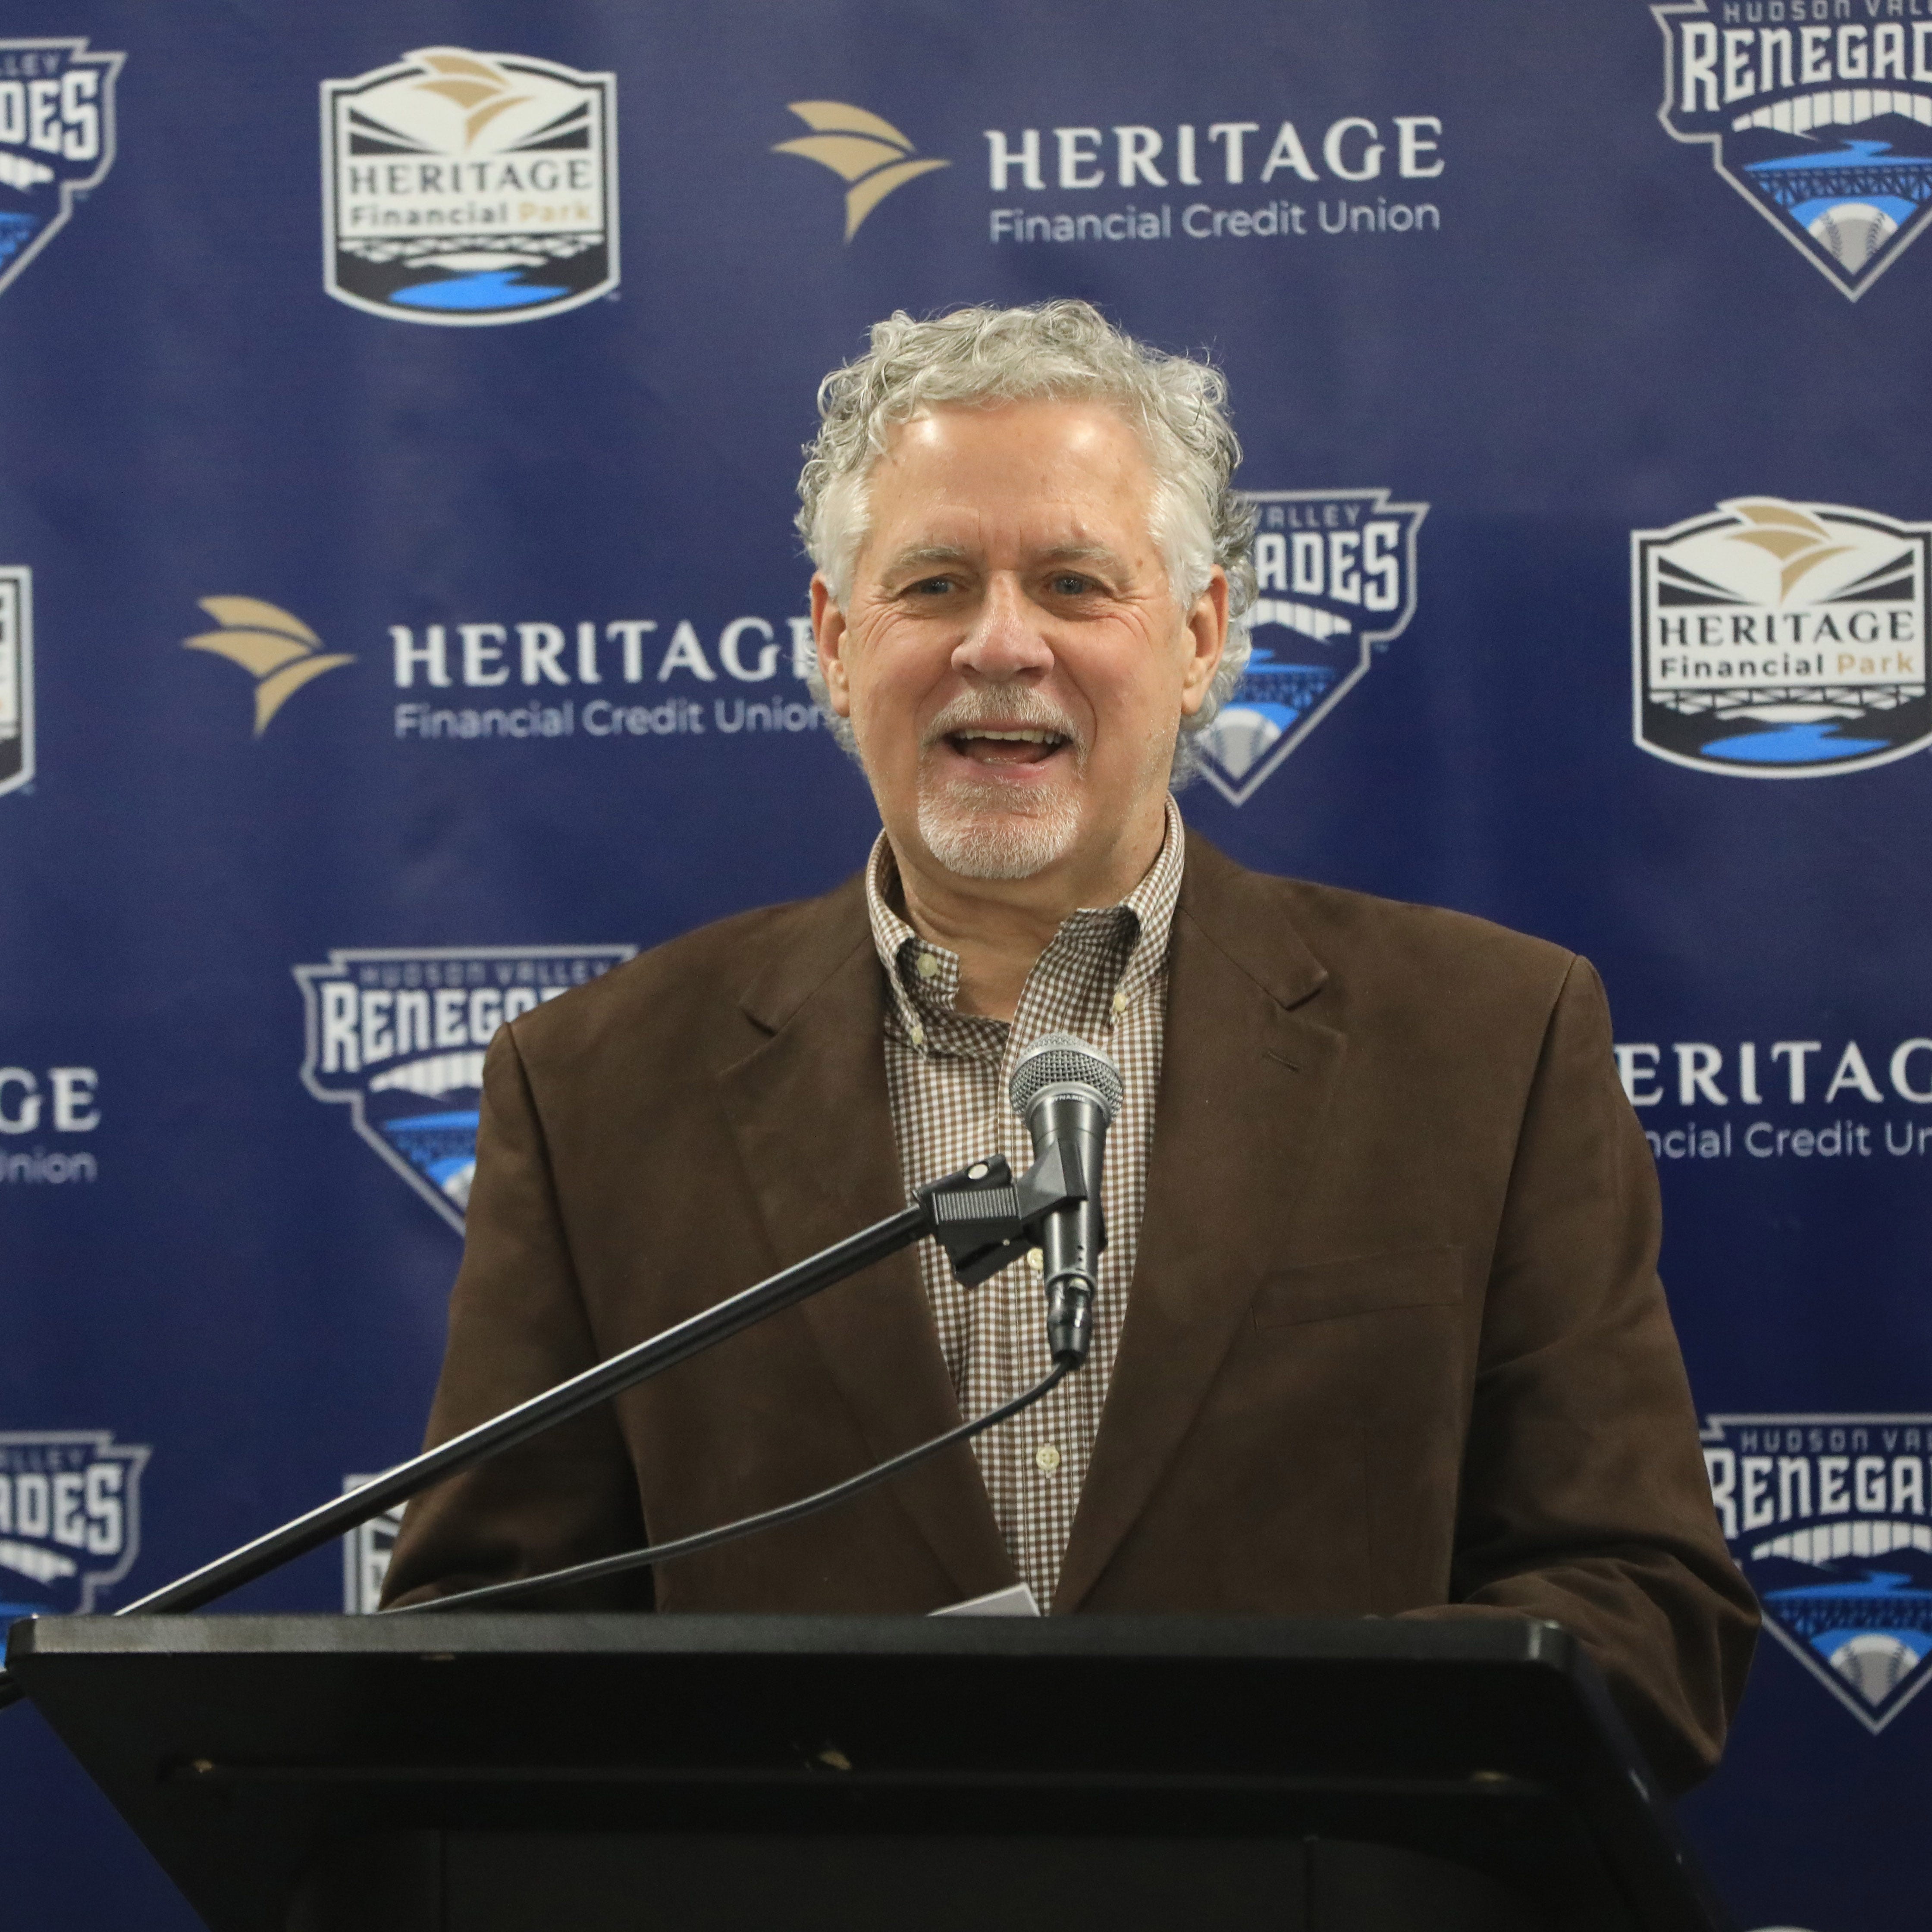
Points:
(56, 140)
(1776, 640)
(1822, 123)
(466, 188)
(1826, 1516)
(1273, 164)
(399, 1037)
(1335, 582)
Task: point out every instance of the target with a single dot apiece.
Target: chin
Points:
(979, 838)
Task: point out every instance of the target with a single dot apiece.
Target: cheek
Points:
(887, 697)
(1141, 690)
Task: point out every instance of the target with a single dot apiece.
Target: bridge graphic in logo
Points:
(1335, 580)
(1825, 129)
(1826, 1515)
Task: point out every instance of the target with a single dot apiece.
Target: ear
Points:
(829, 634)
(1205, 640)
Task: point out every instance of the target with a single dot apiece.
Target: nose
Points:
(1004, 643)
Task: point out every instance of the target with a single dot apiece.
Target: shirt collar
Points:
(924, 978)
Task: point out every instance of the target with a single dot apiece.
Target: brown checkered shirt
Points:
(1103, 978)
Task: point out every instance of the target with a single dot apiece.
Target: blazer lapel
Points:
(813, 1122)
(1245, 1083)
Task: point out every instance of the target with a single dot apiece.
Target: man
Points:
(1378, 1329)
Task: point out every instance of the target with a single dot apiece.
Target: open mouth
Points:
(1008, 747)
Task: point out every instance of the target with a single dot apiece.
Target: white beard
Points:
(974, 830)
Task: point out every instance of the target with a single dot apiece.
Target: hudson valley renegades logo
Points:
(1335, 580)
(467, 188)
(56, 140)
(398, 1037)
(1776, 640)
(69, 1518)
(1822, 122)
(1827, 1517)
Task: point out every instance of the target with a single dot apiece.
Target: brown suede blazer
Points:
(1396, 1343)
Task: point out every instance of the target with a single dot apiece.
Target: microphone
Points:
(1069, 1095)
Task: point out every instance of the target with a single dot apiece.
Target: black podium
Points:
(526, 1773)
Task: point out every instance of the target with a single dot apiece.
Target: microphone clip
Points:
(985, 1219)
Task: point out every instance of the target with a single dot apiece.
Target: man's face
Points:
(1012, 660)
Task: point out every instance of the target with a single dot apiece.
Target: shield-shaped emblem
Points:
(1826, 1516)
(16, 677)
(1823, 127)
(1335, 580)
(465, 188)
(398, 1037)
(70, 1518)
(1778, 640)
(56, 140)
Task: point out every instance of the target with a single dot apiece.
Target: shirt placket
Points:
(1042, 1457)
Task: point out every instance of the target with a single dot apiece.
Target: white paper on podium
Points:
(1017, 1600)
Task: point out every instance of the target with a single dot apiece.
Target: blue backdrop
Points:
(436, 374)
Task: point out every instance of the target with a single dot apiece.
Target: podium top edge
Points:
(1483, 1638)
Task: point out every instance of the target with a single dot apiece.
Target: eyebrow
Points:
(921, 554)
(924, 553)
(1085, 553)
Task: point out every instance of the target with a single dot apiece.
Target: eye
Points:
(1070, 584)
(929, 586)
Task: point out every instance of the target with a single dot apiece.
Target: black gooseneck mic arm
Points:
(983, 1217)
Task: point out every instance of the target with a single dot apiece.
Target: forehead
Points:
(1043, 470)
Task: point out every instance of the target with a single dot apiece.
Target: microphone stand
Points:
(980, 1214)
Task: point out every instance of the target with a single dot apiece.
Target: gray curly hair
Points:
(1068, 351)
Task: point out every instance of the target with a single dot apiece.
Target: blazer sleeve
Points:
(516, 1327)
(1584, 1499)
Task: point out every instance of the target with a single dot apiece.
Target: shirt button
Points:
(1046, 1459)
(1119, 1004)
(918, 1034)
(928, 967)
(1036, 1260)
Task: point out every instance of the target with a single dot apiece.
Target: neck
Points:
(1000, 927)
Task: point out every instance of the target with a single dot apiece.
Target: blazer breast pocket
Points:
(1419, 1277)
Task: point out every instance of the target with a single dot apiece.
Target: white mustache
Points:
(1018, 707)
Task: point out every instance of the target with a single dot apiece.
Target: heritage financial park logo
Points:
(1776, 639)
(278, 650)
(1826, 1516)
(70, 1518)
(1335, 575)
(16, 677)
(399, 1037)
(56, 140)
(468, 188)
(1822, 123)
(859, 147)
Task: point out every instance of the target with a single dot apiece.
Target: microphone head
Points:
(1059, 1059)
